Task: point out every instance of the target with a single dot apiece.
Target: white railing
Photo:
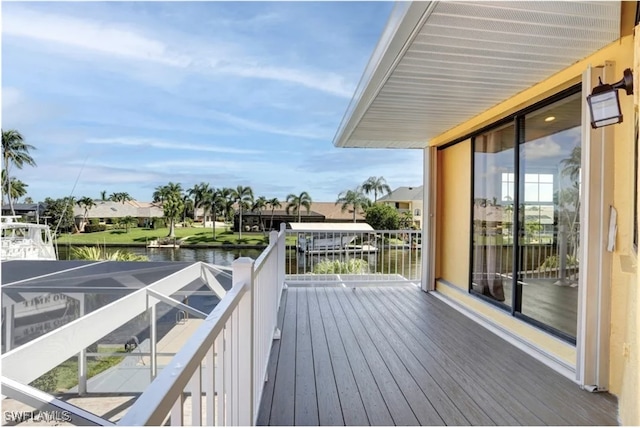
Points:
(226, 358)
(317, 256)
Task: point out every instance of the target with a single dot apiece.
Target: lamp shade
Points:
(604, 106)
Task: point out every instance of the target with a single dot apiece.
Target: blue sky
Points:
(128, 96)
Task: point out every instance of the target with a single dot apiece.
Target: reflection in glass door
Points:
(550, 165)
(525, 218)
(493, 194)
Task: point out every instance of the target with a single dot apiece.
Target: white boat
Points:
(25, 241)
(317, 238)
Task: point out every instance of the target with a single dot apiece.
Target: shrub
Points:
(99, 253)
(90, 228)
(357, 266)
(94, 221)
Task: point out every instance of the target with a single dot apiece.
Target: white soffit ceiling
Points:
(439, 64)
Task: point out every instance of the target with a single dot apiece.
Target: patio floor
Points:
(399, 356)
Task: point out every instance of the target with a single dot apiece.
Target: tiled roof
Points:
(402, 194)
(110, 209)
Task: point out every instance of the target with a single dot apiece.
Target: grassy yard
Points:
(65, 376)
(194, 235)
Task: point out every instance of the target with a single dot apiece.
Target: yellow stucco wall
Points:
(625, 322)
(455, 177)
(625, 319)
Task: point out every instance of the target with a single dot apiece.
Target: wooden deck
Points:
(399, 356)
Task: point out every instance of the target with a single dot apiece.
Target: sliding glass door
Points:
(525, 215)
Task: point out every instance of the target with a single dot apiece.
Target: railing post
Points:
(8, 336)
(82, 355)
(243, 363)
(282, 258)
(153, 337)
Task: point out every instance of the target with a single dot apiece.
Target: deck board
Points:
(353, 410)
(529, 374)
(282, 408)
(392, 394)
(329, 409)
(397, 356)
(377, 411)
(306, 402)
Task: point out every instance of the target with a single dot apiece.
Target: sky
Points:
(128, 96)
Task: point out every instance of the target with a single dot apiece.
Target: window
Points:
(507, 186)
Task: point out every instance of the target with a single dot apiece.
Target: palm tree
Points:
(120, 197)
(259, 205)
(128, 221)
(354, 198)
(199, 192)
(172, 204)
(212, 201)
(295, 202)
(273, 203)
(243, 196)
(375, 185)
(28, 200)
(14, 152)
(13, 188)
(103, 195)
(87, 203)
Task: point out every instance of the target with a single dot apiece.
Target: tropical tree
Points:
(258, 205)
(212, 202)
(172, 204)
(87, 203)
(296, 202)
(128, 221)
(353, 198)
(14, 152)
(375, 185)
(188, 206)
(61, 213)
(13, 188)
(273, 203)
(120, 197)
(28, 200)
(199, 193)
(103, 195)
(382, 217)
(243, 196)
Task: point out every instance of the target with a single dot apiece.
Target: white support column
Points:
(243, 346)
(429, 218)
(594, 289)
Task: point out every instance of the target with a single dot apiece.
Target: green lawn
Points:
(196, 235)
(65, 376)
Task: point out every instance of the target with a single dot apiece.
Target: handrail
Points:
(166, 389)
(45, 402)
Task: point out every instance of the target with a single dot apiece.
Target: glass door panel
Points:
(549, 203)
(493, 198)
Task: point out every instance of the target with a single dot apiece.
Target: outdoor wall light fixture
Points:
(604, 103)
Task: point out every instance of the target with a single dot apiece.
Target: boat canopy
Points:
(332, 227)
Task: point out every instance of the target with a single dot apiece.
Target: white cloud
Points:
(263, 127)
(542, 149)
(158, 144)
(89, 35)
(79, 36)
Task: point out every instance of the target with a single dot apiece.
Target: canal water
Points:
(402, 261)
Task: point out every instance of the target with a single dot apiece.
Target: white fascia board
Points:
(404, 24)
